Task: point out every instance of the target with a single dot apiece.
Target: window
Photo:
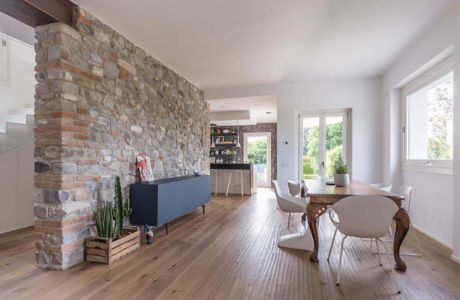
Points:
(323, 139)
(428, 121)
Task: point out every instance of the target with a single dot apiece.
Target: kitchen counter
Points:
(220, 173)
(235, 166)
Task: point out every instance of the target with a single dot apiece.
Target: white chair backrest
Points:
(382, 186)
(279, 198)
(406, 191)
(294, 188)
(283, 204)
(365, 216)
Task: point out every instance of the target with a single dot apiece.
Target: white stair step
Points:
(10, 141)
(16, 118)
(13, 127)
(30, 119)
(22, 111)
(15, 135)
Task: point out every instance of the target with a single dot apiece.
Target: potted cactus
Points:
(113, 240)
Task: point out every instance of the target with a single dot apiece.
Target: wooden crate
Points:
(105, 250)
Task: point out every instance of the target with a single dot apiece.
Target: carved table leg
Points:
(314, 211)
(402, 227)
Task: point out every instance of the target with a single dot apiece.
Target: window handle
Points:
(322, 164)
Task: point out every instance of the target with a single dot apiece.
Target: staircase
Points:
(16, 128)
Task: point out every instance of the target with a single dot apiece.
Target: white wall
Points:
(433, 203)
(456, 192)
(16, 186)
(21, 88)
(363, 96)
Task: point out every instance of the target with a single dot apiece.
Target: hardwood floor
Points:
(230, 253)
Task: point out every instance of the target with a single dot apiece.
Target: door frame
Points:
(347, 139)
(269, 153)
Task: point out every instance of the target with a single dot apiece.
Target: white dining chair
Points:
(287, 203)
(294, 188)
(386, 187)
(406, 191)
(362, 217)
(382, 186)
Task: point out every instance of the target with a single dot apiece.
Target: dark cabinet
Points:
(164, 200)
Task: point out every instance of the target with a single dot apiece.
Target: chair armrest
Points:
(332, 216)
(299, 201)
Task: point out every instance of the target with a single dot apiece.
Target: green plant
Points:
(331, 157)
(257, 152)
(109, 217)
(118, 206)
(340, 167)
(104, 216)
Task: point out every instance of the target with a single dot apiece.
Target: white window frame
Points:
(423, 165)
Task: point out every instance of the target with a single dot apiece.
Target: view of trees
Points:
(257, 151)
(334, 141)
(257, 154)
(440, 116)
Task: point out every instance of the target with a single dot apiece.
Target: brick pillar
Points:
(64, 196)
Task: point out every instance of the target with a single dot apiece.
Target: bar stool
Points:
(229, 184)
(214, 181)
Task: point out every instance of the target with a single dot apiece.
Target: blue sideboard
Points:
(164, 200)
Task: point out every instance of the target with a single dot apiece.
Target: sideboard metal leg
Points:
(167, 228)
(204, 209)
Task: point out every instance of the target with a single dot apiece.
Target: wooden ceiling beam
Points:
(39, 12)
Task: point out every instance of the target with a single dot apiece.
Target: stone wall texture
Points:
(261, 127)
(100, 100)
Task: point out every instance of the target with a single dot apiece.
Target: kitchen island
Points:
(220, 173)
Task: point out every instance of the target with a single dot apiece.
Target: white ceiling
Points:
(222, 43)
(258, 107)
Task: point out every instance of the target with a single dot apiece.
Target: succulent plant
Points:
(109, 217)
(104, 217)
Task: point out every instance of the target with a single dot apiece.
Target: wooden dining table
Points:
(322, 195)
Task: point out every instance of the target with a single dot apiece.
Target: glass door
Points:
(323, 140)
(257, 150)
(311, 150)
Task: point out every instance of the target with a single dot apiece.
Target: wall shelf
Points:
(223, 142)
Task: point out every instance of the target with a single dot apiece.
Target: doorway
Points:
(324, 139)
(257, 150)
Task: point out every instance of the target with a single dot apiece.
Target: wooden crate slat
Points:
(98, 259)
(103, 250)
(97, 245)
(99, 252)
(124, 252)
(130, 236)
(123, 246)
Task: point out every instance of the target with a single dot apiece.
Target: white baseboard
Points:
(455, 258)
(433, 237)
(436, 239)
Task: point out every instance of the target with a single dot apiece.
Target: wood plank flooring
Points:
(231, 253)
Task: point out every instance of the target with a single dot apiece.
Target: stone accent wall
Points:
(100, 100)
(261, 127)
